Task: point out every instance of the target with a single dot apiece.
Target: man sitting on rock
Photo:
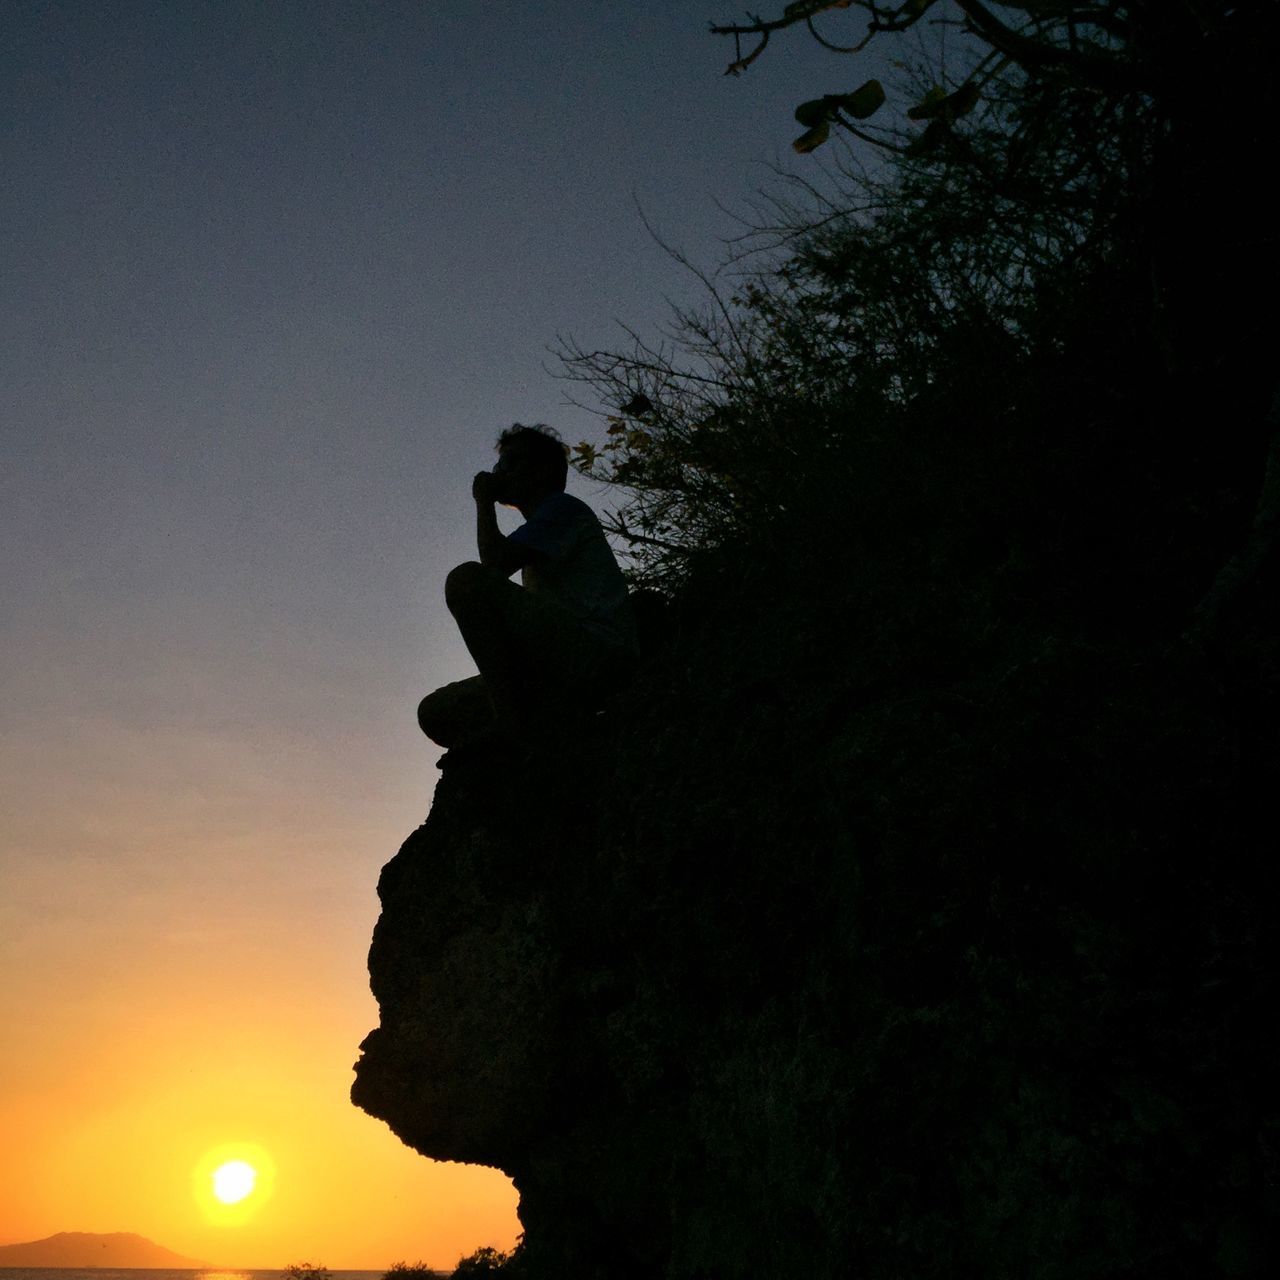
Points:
(563, 636)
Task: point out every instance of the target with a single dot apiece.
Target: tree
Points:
(1112, 48)
(306, 1271)
(409, 1271)
(1057, 207)
(483, 1262)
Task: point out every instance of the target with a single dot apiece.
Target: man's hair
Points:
(541, 443)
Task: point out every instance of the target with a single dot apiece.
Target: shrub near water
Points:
(410, 1271)
(307, 1271)
(486, 1261)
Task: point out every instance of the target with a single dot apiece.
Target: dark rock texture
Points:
(952, 957)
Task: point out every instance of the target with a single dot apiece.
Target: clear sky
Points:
(272, 276)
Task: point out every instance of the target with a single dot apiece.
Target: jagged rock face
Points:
(481, 1055)
(778, 971)
(460, 1065)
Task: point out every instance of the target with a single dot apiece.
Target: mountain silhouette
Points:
(94, 1249)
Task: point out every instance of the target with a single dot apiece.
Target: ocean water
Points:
(136, 1273)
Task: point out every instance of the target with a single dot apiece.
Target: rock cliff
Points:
(924, 959)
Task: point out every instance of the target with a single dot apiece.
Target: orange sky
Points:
(274, 278)
(156, 1006)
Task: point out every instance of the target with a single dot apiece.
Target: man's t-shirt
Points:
(576, 566)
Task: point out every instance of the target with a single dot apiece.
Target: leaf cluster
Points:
(1112, 48)
(487, 1261)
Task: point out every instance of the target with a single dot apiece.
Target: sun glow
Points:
(232, 1182)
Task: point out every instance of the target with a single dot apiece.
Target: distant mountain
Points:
(90, 1249)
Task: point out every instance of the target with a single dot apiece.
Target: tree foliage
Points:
(1111, 48)
(409, 1271)
(486, 1261)
(306, 1271)
(1045, 269)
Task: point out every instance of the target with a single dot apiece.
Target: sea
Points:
(149, 1273)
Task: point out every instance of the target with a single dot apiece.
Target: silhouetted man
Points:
(562, 636)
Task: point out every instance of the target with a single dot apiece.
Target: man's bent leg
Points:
(533, 653)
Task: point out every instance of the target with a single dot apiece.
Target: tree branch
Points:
(1087, 63)
(1034, 55)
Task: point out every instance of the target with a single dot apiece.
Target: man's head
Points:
(532, 461)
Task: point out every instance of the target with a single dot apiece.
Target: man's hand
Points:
(482, 488)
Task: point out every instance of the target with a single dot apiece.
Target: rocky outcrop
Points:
(788, 968)
(490, 999)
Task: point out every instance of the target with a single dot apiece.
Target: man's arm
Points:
(496, 550)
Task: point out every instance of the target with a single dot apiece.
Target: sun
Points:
(233, 1181)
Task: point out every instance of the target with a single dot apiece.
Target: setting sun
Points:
(233, 1181)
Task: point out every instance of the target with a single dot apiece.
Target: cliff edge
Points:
(803, 959)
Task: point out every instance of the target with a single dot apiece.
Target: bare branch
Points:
(1036, 55)
(841, 48)
(650, 366)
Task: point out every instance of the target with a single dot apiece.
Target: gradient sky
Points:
(272, 275)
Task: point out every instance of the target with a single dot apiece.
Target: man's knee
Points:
(466, 583)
